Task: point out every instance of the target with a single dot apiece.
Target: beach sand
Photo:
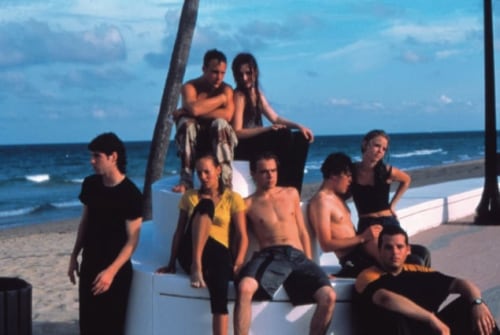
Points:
(39, 254)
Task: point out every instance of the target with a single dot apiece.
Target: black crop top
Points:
(371, 198)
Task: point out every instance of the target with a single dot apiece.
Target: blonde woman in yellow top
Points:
(201, 241)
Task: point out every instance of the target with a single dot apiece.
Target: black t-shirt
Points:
(108, 210)
(427, 289)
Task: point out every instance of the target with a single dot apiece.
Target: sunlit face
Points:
(214, 72)
(266, 174)
(208, 173)
(247, 76)
(376, 148)
(393, 252)
(101, 162)
(343, 181)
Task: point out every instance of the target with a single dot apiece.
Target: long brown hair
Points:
(238, 61)
(381, 174)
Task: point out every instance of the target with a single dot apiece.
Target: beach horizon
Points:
(39, 254)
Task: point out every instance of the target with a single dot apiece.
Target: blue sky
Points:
(70, 70)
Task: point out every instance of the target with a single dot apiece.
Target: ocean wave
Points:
(76, 180)
(38, 178)
(46, 207)
(421, 152)
(66, 204)
(17, 212)
(313, 166)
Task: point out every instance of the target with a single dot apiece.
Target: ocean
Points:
(41, 183)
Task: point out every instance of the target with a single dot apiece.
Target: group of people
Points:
(394, 285)
(397, 291)
(214, 118)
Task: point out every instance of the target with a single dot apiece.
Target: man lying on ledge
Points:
(404, 299)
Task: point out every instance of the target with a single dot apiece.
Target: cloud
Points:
(443, 54)
(412, 57)
(340, 102)
(446, 32)
(35, 42)
(235, 36)
(93, 79)
(445, 99)
(357, 47)
(99, 114)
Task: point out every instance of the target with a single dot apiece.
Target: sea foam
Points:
(38, 178)
(421, 152)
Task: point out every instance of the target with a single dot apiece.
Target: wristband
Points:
(477, 301)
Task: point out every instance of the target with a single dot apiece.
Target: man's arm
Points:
(397, 303)
(482, 318)
(196, 105)
(301, 227)
(73, 260)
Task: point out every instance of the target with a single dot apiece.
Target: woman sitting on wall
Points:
(201, 239)
(250, 104)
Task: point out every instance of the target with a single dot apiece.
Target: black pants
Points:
(216, 261)
(456, 315)
(104, 314)
(290, 147)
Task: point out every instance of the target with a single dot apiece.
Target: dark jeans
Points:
(289, 146)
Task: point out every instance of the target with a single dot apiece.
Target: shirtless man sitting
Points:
(207, 108)
(285, 251)
(330, 218)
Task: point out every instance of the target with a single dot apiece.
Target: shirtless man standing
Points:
(331, 219)
(285, 251)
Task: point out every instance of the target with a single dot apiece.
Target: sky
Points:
(70, 70)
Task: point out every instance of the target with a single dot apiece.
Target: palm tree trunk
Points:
(170, 98)
(488, 210)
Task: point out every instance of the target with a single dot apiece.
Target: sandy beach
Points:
(39, 254)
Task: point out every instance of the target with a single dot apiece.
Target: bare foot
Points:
(181, 188)
(197, 280)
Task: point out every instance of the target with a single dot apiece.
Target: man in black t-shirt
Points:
(107, 236)
(398, 298)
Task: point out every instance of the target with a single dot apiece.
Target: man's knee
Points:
(325, 297)
(247, 287)
(220, 124)
(187, 131)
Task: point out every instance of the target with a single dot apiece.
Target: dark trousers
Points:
(104, 314)
(289, 146)
(216, 261)
(456, 315)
